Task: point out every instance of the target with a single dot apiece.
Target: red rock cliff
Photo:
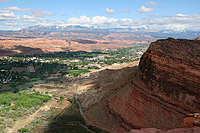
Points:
(172, 68)
(158, 94)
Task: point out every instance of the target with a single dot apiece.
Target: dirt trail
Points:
(30, 118)
(22, 123)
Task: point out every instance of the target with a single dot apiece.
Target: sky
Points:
(155, 15)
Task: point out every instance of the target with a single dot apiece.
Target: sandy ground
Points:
(114, 66)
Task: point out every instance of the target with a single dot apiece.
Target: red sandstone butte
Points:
(157, 94)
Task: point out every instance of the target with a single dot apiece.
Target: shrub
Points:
(23, 99)
(23, 130)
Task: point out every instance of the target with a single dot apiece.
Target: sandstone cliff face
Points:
(171, 68)
(178, 130)
(158, 94)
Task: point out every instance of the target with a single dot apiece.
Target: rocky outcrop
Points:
(179, 130)
(171, 68)
(157, 94)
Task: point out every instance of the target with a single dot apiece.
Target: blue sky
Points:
(147, 14)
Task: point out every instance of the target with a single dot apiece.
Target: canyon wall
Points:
(171, 68)
(157, 94)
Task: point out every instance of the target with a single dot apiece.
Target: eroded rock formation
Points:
(157, 94)
(171, 68)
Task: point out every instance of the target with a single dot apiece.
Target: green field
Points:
(16, 105)
(76, 72)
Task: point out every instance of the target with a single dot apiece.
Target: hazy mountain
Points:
(55, 28)
(78, 28)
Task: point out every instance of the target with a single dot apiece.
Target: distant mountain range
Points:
(77, 28)
(54, 28)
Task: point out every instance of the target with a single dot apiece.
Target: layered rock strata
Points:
(157, 94)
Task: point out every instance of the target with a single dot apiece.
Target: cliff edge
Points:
(159, 93)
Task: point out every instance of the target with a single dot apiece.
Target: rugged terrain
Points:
(35, 46)
(35, 41)
(157, 94)
(27, 43)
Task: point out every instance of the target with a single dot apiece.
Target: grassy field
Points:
(76, 72)
(13, 106)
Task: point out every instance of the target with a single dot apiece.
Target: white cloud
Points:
(6, 15)
(16, 9)
(40, 13)
(102, 20)
(126, 10)
(81, 20)
(99, 19)
(28, 18)
(4, 1)
(150, 24)
(95, 21)
(10, 21)
(143, 9)
(151, 3)
(109, 11)
(179, 22)
(180, 15)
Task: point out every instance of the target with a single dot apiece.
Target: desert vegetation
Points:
(16, 105)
